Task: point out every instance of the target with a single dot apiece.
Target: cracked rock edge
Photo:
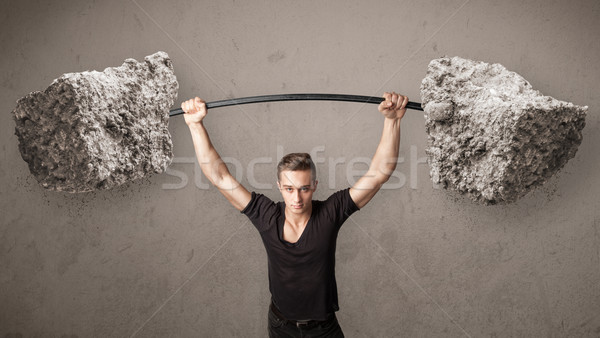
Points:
(96, 130)
(491, 136)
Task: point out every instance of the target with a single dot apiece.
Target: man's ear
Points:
(315, 185)
(278, 186)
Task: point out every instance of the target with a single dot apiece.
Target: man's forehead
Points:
(294, 185)
(297, 178)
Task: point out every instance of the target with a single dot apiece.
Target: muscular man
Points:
(300, 234)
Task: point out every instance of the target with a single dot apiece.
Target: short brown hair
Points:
(297, 161)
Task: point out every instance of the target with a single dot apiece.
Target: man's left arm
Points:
(386, 156)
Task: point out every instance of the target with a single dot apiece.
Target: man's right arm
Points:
(210, 161)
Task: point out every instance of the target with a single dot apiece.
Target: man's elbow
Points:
(376, 179)
(219, 181)
(225, 182)
(383, 175)
(382, 180)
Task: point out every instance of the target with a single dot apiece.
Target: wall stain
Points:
(69, 255)
(421, 260)
(125, 247)
(276, 57)
(190, 256)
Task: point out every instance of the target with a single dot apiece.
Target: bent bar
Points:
(297, 97)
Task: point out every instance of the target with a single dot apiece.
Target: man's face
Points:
(297, 189)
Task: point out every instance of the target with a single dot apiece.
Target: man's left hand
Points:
(394, 105)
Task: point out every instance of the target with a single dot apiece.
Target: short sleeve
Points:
(339, 206)
(261, 211)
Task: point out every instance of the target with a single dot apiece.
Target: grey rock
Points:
(491, 136)
(97, 130)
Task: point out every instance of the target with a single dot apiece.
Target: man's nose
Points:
(297, 195)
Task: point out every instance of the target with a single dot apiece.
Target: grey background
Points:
(165, 256)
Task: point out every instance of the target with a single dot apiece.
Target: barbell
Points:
(491, 136)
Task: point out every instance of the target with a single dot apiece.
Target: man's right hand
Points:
(195, 110)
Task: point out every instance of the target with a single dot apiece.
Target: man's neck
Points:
(298, 219)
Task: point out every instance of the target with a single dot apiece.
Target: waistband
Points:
(298, 323)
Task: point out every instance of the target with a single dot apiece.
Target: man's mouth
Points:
(297, 206)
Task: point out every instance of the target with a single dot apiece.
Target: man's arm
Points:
(386, 156)
(211, 163)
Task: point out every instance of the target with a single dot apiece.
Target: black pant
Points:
(279, 327)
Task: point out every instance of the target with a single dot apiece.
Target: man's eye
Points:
(288, 189)
(304, 189)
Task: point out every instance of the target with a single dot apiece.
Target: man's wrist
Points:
(196, 125)
(394, 119)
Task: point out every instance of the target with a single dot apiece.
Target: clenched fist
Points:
(195, 110)
(394, 105)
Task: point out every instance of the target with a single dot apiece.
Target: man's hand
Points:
(195, 110)
(394, 105)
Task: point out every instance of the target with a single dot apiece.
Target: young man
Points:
(300, 234)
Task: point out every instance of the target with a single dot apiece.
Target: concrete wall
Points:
(166, 256)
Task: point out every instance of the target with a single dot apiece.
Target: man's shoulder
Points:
(261, 201)
(333, 198)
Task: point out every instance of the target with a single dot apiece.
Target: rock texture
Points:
(491, 135)
(96, 130)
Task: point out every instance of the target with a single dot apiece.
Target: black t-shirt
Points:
(302, 274)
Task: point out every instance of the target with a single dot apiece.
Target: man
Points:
(300, 234)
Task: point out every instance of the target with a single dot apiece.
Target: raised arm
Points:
(210, 161)
(386, 156)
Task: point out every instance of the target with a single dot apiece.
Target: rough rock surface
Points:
(96, 130)
(490, 134)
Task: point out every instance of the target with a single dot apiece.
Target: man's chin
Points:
(297, 208)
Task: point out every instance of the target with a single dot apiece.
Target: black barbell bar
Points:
(297, 97)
